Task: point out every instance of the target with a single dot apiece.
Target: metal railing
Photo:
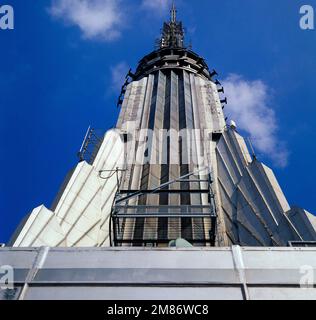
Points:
(136, 224)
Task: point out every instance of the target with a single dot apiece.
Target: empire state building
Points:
(173, 172)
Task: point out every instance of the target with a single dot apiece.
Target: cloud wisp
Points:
(97, 19)
(249, 107)
(103, 20)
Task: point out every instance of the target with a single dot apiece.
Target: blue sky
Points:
(61, 66)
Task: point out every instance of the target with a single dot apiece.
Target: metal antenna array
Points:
(173, 13)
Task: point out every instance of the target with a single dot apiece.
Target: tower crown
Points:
(172, 53)
(172, 32)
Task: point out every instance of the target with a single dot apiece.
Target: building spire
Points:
(173, 12)
(172, 32)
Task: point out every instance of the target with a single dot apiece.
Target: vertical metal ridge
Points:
(165, 169)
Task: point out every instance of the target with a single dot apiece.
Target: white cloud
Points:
(248, 105)
(118, 74)
(97, 19)
(160, 5)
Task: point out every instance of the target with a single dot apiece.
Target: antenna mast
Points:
(173, 12)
